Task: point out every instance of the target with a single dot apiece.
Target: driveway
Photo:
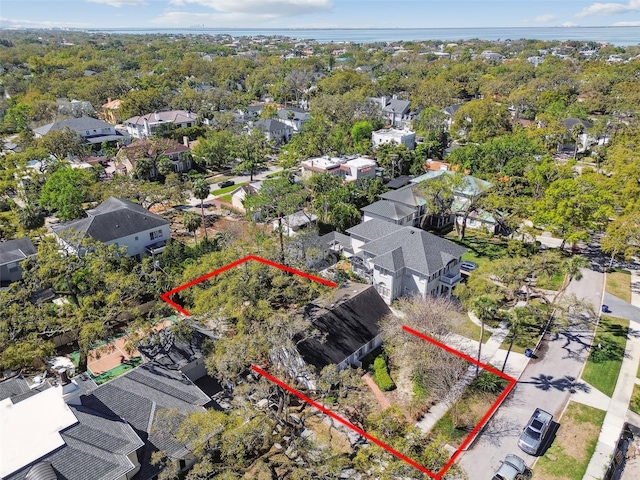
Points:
(548, 382)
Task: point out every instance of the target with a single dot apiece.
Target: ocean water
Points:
(615, 35)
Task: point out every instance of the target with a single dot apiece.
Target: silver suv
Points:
(533, 434)
(512, 468)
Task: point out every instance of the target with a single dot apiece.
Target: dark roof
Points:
(387, 209)
(171, 351)
(572, 122)
(349, 323)
(270, 125)
(113, 219)
(139, 396)
(80, 125)
(16, 250)
(397, 106)
(298, 113)
(451, 109)
(413, 248)
(398, 182)
(406, 195)
(373, 229)
(13, 386)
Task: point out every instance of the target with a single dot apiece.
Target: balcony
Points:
(450, 278)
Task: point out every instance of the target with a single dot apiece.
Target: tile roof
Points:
(16, 250)
(13, 386)
(349, 320)
(387, 209)
(420, 251)
(113, 219)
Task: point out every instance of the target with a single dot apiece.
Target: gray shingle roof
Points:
(397, 106)
(271, 125)
(16, 250)
(422, 252)
(373, 229)
(405, 195)
(349, 324)
(451, 109)
(13, 386)
(113, 219)
(171, 351)
(171, 116)
(79, 125)
(387, 209)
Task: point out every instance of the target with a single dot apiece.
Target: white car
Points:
(512, 468)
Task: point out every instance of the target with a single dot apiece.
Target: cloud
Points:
(627, 24)
(569, 24)
(261, 8)
(15, 23)
(121, 3)
(610, 8)
(545, 18)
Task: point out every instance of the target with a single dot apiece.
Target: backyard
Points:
(607, 352)
(573, 447)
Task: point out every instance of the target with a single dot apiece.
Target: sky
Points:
(316, 13)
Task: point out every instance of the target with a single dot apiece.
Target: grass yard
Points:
(619, 284)
(527, 337)
(634, 406)
(225, 198)
(607, 352)
(481, 248)
(222, 191)
(551, 283)
(468, 329)
(575, 442)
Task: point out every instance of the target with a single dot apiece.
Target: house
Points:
(349, 322)
(295, 222)
(117, 221)
(389, 212)
(111, 111)
(144, 126)
(349, 168)
(394, 135)
(74, 107)
(12, 252)
(397, 112)
(401, 260)
(491, 56)
(584, 139)
(398, 182)
(94, 131)
(78, 430)
(408, 197)
(179, 154)
(294, 117)
(274, 130)
(450, 112)
(240, 193)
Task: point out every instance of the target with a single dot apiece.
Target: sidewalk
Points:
(619, 404)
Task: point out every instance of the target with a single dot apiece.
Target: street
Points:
(547, 382)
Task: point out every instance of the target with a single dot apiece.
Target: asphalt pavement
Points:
(547, 382)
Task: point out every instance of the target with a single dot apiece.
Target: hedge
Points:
(381, 374)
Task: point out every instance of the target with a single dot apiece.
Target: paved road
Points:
(547, 382)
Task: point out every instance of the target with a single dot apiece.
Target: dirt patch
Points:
(328, 434)
(574, 438)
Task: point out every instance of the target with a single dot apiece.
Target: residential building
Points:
(274, 130)
(294, 117)
(394, 135)
(292, 224)
(408, 197)
(450, 112)
(179, 154)
(397, 112)
(74, 107)
(349, 168)
(144, 126)
(400, 260)
(94, 131)
(12, 253)
(389, 212)
(117, 221)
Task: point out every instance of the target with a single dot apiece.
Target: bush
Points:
(488, 382)
(381, 374)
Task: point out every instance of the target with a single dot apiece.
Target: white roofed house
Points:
(94, 131)
(144, 126)
(349, 168)
(394, 135)
(121, 222)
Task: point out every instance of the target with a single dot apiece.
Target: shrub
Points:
(489, 383)
(381, 374)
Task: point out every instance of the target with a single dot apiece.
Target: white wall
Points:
(138, 247)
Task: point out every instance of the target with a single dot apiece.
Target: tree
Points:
(361, 136)
(191, 222)
(622, 238)
(30, 216)
(480, 120)
(252, 150)
(485, 307)
(277, 198)
(517, 317)
(64, 143)
(201, 190)
(65, 191)
(215, 150)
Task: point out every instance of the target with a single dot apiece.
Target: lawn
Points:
(225, 198)
(634, 406)
(222, 191)
(575, 442)
(527, 337)
(554, 282)
(619, 284)
(481, 248)
(468, 329)
(607, 352)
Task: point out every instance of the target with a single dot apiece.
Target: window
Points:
(136, 238)
(183, 464)
(382, 289)
(13, 267)
(155, 234)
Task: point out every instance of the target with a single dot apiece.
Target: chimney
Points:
(185, 140)
(108, 99)
(147, 130)
(157, 117)
(70, 389)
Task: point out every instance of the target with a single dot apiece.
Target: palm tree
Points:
(191, 222)
(485, 307)
(517, 317)
(201, 191)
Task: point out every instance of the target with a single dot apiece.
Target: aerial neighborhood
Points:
(263, 257)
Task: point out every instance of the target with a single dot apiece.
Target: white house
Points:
(349, 168)
(144, 126)
(94, 131)
(294, 117)
(121, 222)
(401, 260)
(394, 135)
(274, 130)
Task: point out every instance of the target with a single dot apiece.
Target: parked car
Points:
(512, 468)
(533, 434)
(226, 183)
(468, 266)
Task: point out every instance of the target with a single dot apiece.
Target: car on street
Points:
(533, 434)
(468, 266)
(512, 468)
(226, 183)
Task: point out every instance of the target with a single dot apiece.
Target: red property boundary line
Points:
(167, 295)
(437, 476)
